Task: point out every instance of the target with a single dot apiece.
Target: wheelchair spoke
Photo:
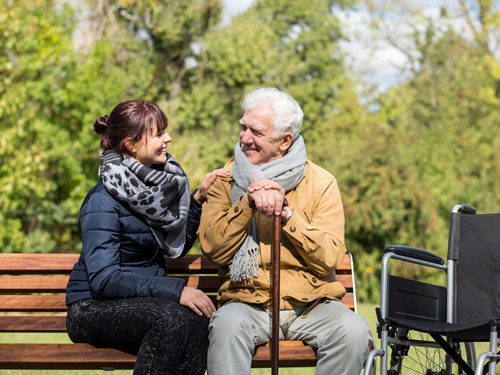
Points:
(417, 353)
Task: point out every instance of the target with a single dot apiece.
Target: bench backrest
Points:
(37, 282)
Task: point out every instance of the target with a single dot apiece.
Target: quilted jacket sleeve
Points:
(193, 222)
(102, 228)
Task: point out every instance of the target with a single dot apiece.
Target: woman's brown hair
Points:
(129, 119)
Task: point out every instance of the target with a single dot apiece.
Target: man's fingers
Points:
(279, 205)
(268, 202)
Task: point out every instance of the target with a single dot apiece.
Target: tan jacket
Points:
(312, 242)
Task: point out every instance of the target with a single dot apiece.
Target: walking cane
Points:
(275, 294)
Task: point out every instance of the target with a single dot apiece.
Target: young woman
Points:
(118, 294)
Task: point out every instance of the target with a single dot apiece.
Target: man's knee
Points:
(356, 328)
(227, 323)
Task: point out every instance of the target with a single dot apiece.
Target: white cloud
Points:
(368, 55)
(232, 8)
(385, 63)
(380, 66)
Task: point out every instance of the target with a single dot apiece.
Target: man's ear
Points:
(286, 142)
(130, 145)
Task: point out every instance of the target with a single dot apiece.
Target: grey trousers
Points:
(341, 336)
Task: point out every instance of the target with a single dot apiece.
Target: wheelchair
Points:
(434, 330)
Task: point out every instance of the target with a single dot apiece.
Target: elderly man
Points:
(272, 176)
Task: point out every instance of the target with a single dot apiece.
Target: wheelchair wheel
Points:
(417, 353)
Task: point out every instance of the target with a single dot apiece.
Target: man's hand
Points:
(267, 197)
(197, 301)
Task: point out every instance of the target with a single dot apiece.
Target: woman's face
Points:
(152, 148)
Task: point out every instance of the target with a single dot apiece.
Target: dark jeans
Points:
(168, 338)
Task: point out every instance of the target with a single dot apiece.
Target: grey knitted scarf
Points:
(160, 196)
(288, 171)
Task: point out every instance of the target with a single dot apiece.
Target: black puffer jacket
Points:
(120, 257)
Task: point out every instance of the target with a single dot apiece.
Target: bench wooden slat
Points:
(33, 323)
(88, 357)
(33, 303)
(33, 284)
(192, 263)
(348, 300)
(63, 264)
(17, 263)
(346, 281)
(56, 303)
(63, 357)
(43, 303)
(46, 284)
(345, 266)
(292, 354)
(34, 263)
(57, 284)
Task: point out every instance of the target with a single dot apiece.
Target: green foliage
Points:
(287, 44)
(36, 167)
(291, 45)
(434, 142)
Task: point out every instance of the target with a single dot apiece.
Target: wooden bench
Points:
(32, 299)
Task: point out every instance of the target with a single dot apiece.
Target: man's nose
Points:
(245, 136)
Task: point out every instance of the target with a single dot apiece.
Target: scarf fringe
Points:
(244, 265)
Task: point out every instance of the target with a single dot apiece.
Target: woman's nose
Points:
(167, 138)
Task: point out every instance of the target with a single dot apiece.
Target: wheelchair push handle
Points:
(464, 209)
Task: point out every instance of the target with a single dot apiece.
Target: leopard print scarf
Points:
(160, 197)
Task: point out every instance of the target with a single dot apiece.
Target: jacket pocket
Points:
(314, 281)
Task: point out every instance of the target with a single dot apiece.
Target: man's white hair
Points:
(287, 114)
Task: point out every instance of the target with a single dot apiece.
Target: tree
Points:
(35, 56)
(156, 45)
(433, 144)
(291, 45)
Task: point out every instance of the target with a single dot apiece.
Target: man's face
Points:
(256, 136)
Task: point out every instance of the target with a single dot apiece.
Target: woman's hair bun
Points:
(101, 125)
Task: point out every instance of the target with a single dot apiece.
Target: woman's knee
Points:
(168, 314)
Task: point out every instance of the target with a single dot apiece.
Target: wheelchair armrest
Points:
(416, 253)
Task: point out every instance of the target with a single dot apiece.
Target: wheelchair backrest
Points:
(474, 246)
